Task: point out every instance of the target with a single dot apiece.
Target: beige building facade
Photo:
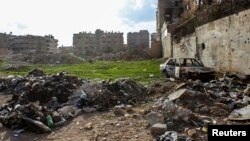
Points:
(32, 44)
(26, 44)
(4, 44)
(138, 39)
(96, 43)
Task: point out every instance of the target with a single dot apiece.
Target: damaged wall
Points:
(223, 44)
(166, 42)
(186, 47)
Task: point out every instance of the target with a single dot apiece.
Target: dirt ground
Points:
(104, 126)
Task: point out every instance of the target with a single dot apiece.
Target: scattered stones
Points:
(204, 129)
(119, 111)
(189, 99)
(128, 108)
(173, 136)
(118, 125)
(88, 126)
(77, 123)
(220, 110)
(88, 110)
(180, 86)
(247, 91)
(192, 133)
(38, 126)
(240, 114)
(158, 129)
(154, 117)
(68, 112)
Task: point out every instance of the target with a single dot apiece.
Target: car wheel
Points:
(184, 76)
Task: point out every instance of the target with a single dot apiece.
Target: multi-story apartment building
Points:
(32, 44)
(27, 43)
(4, 43)
(84, 43)
(111, 41)
(95, 43)
(138, 39)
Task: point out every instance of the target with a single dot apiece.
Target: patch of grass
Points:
(144, 71)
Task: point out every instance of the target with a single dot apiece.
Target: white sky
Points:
(63, 18)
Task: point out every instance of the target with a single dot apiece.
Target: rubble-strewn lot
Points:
(64, 107)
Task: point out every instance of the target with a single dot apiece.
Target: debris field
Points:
(175, 109)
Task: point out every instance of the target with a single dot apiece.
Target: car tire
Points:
(184, 76)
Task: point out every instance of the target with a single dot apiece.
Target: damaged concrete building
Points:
(27, 44)
(214, 31)
(33, 44)
(96, 43)
(4, 43)
(138, 39)
(155, 50)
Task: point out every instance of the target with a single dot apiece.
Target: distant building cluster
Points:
(138, 39)
(98, 42)
(84, 43)
(26, 44)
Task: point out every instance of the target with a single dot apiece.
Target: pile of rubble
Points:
(129, 54)
(56, 59)
(183, 111)
(42, 102)
(122, 91)
(187, 108)
(43, 58)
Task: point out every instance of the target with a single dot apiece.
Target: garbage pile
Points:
(105, 95)
(42, 102)
(187, 108)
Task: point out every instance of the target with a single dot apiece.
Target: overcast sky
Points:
(63, 18)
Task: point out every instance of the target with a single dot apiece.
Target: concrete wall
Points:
(223, 44)
(166, 42)
(186, 47)
(226, 43)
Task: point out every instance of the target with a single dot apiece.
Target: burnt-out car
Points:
(186, 68)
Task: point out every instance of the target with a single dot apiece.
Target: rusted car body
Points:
(186, 68)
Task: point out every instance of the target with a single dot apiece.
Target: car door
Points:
(170, 67)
